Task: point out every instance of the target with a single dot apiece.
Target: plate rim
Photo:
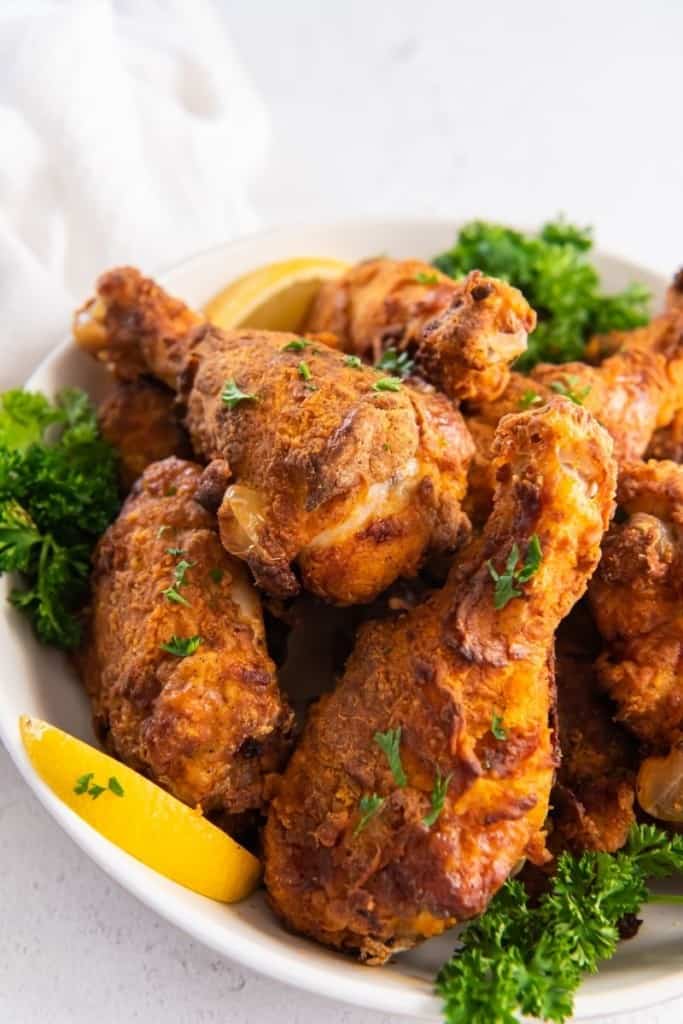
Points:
(292, 968)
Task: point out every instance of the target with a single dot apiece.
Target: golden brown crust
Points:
(667, 442)
(350, 483)
(345, 483)
(594, 790)
(133, 326)
(138, 418)
(210, 727)
(637, 601)
(442, 672)
(463, 335)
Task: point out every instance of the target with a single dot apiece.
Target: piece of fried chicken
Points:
(637, 602)
(634, 393)
(368, 861)
(593, 796)
(318, 466)
(462, 335)
(138, 418)
(210, 725)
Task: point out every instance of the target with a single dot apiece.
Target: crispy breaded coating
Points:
(351, 483)
(637, 602)
(471, 688)
(135, 327)
(592, 800)
(209, 727)
(321, 466)
(633, 392)
(667, 442)
(462, 335)
(138, 418)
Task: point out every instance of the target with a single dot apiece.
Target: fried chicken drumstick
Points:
(371, 854)
(208, 725)
(635, 393)
(316, 464)
(138, 418)
(592, 800)
(462, 335)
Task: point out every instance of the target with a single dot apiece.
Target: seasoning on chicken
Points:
(592, 800)
(635, 393)
(637, 601)
(175, 658)
(461, 335)
(317, 463)
(138, 418)
(424, 779)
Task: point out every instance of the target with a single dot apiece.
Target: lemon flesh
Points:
(146, 821)
(276, 297)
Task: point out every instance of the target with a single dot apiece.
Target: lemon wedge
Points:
(276, 297)
(140, 817)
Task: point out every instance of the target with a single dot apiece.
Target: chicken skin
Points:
(139, 420)
(462, 335)
(637, 602)
(371, 853)
(208, 724)
(594, 790)
(634, 393)
(317, 465)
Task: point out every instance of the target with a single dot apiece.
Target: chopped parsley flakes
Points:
(389, 743)
(505, 588)
(387, 384)
(232, 396)
(438, 799)
(181, 646)
(368, 806)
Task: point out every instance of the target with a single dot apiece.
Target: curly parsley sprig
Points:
(523, 959)
(58, 493)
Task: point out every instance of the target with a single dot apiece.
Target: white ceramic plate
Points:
(38, 681)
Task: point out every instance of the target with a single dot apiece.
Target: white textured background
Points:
(506, 110)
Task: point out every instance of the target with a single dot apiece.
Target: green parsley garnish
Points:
(297, 345)
(389, 743)
(354, 361)
(368, 806)
(182, 646)
(85, 784)
(397, 363)
(497, 727)
(505, 588)
(529, 959)
(115, 786)
(58, 493)
(553, 270)
(304, 371)
(422, 277)
(171, 594)
(438, 799)
(180, 570)
(162, 530)
(232, 396)
(216, 574)
(569, 388)
(387, 384)
(175, 551)
(528, 399)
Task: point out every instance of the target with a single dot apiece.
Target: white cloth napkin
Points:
(128, 133)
